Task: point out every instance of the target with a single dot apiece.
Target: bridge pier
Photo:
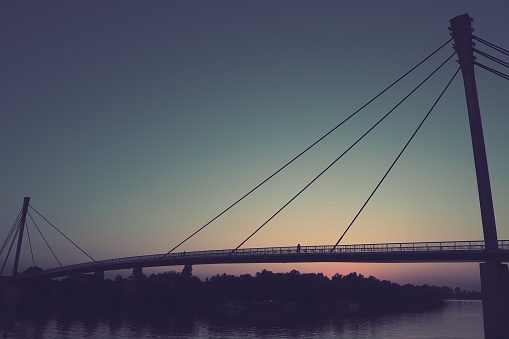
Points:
(187, 271)
(495, 299)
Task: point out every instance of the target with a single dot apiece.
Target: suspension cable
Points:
(72, 242)
(309, 147)
(396, 160)
(12, 230)
(10, 248)
(44, 238)
(494, 71)
(30, 243)
(347, 150)
(492, 45)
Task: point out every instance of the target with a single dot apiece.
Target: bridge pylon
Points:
(494, 275)
(26, 202)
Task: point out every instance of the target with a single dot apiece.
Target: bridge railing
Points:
(369, 248)
(444, 246)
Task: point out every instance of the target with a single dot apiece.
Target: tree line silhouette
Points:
(183, 291)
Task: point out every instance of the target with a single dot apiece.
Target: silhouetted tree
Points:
(172, 290)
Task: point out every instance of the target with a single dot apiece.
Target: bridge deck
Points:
(450, 251)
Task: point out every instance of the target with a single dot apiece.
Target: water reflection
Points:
(459, 319)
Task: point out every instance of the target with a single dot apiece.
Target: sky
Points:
(131, 124)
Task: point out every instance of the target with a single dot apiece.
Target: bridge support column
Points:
(495, 299)
(187, 271)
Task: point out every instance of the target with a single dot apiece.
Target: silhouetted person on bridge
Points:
(298, 248)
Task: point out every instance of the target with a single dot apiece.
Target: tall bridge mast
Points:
(494, 275)
(461, 28)
(26, 202)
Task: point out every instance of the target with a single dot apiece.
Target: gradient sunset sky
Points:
(131, 124)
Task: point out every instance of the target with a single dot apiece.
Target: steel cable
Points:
(396, 160)
(10, 248)
(492, 58)
(13, 228)
(347, 150)
(492, 45)
(308, 148)
(44, 239)
(494, 71)
(30, 243)
(72, 242)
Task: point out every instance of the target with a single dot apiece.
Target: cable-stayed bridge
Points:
(491, 251)
(448, 251)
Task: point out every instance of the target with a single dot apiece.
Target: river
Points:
(457, 319)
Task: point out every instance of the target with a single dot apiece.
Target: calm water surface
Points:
(458, 319)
